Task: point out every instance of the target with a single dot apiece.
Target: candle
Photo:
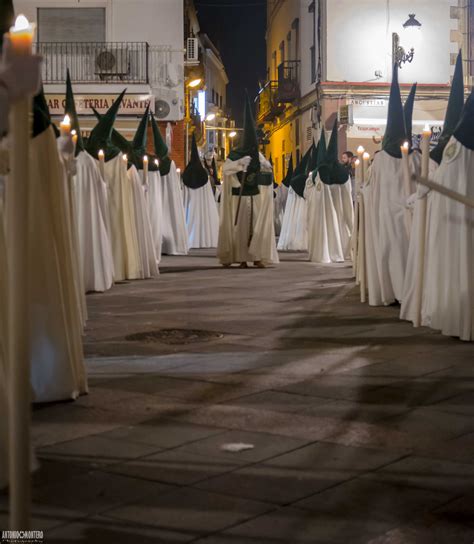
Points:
(101, 157)
(425, 151)
(355, 228)
(405, 149)
(74, 137)
(17, 303)
(157, 162)
(365, 166)
(21, 36)
(178, 170)
(125, 158)
(145, 170)
(65, 126)
(421, 234)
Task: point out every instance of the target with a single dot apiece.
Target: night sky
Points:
(237, 28)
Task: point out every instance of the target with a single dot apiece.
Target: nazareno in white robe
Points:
(202, 217)
(57, 366)
(146, 245)
(408, 307)
(342, 200)
(91, 204)
(324, 238)
(294, 228)
(448, 288)
(279, 203)
(175, 234)
(123, 230)
(155, 210)
(388, 221)
(233, 241)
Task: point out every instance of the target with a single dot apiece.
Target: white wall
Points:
(360, 39)
(158, 22)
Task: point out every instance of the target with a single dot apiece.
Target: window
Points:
(313, 63)
(297, 132)
(282, 52)
(213, 96)
(288, 45)
(276, 168)
(71, 25)
(220, 101)
(274, 65)
(297, 157)
(284, 166)
(283, 144)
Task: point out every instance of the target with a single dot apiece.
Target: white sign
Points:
(132, 104)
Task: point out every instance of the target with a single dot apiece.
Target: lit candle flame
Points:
(357, 162)
(66, 120)
(156, 162)
(145, 158)
(101, 154)
(125, 158)
(366, 156)
(21, 23)
(178, 170)
(406, 145)
(360, 150)
(427, 129)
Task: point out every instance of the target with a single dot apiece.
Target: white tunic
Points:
(202, 217)
(175, 234)
(155, 210)
(3, 355)
(448, 302)
(279, 205)
(146, 245)
(342, 200)
(57, 367)
(91, 204)
(122, 221)
(294, 228)
(324, 238)
(388, 221)
(233, 245)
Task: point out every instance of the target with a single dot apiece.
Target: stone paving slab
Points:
(361, 424)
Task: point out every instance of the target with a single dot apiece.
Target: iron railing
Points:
(95, 62)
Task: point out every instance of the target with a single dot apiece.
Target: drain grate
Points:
(175, 336)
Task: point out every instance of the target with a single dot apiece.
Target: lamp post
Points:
(399, 54)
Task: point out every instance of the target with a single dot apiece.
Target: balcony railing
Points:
(99, 62)
(275, 94)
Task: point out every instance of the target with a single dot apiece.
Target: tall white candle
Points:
(17, 214)
(65, 126)
(365, 165)
(355, 229)
(101, 157)
(421, 234)
(145, 170)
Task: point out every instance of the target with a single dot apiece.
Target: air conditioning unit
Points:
(168, 105)
(112, 63)
(192, 50)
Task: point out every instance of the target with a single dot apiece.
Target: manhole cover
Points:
(175, 336)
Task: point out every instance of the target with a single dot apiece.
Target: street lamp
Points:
(232, 134)
(211, 117)
(399, 55)
(194, 83)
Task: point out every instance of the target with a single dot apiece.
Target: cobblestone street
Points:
(362, 427)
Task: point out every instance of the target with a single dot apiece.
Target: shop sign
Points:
(132, 104)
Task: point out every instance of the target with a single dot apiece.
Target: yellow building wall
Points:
(280, 148)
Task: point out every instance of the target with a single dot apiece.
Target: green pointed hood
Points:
(248, 146)
(101, 135)
(300, 175)
(408, 112)
(161, 149)
(464, 132)
(454, 111)
(321, 155)
(70, 109)
(195, 175)
(331, 171)
(41, 115)
(140, 138)
(117, 139)
(7, 18)
(395, 134)
(289, 173)
(313, 163)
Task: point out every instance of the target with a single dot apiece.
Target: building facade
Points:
(209, 117)
(329, 58)
(109, 45)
